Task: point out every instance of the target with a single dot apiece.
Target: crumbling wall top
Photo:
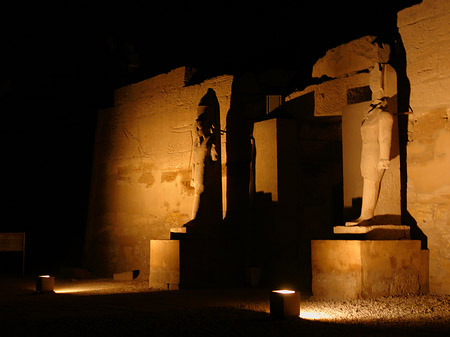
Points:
(160, 83)
(351, 57)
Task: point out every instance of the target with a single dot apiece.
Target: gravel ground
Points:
(130, 308)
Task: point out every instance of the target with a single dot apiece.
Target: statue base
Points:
(186, 262)
(351, 269)
(164, 264)
(178, 233)
(375, 232)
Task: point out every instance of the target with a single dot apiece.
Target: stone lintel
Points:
(330, 97)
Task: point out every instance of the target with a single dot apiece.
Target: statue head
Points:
(383, 81)
(203, 121)
(376, 82)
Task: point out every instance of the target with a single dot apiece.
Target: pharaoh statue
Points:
(376, 136)
(204, 149)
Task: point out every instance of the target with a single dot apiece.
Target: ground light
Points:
(45, 284)
(313, 315)
(284, 303)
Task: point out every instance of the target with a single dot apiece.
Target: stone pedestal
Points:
(195, 263)
(164, 264)
(350, 269)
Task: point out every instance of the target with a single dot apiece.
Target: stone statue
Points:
(203, 149)
(376, 135)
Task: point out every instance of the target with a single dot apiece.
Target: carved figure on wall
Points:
(376, 136)
(204, 149)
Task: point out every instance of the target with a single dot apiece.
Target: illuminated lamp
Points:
(284, 303)
(45, 284)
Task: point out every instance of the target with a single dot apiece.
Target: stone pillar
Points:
(276, 158)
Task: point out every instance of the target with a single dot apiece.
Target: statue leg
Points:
(371, 189)
(195, 205)
(370, 196)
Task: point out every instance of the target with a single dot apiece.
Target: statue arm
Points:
(385, 138)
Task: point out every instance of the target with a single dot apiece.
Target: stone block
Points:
(330, 97)
(164, 264)
(336, 268)
(284, 303)
(350, 269)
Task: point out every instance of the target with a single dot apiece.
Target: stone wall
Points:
(142, 168)
(425, 31)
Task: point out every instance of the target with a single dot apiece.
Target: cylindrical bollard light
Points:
(284, 303)
(45, 284)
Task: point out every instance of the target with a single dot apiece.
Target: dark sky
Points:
(98, 46)
(61, 62)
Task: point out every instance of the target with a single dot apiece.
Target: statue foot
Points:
(356, 222)
(352, 223)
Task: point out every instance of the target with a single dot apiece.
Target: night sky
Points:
(60, 64)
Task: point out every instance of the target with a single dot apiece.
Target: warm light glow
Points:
(70, 290)
(87, 288)
(284, 291)
(44, 276)
(314, 315)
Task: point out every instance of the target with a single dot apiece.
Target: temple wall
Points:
(142, 168)
(425, 31)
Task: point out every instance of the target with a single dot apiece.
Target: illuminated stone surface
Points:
(330, 97)
(164, 264)
(351, 57)
(347, 67)
(425, 32)
(142, 168)
(350, 269)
